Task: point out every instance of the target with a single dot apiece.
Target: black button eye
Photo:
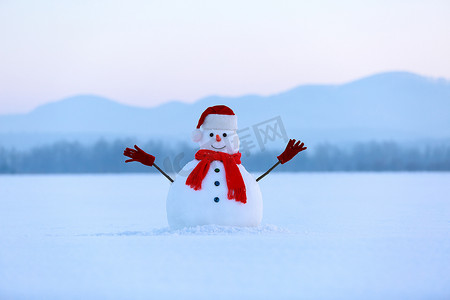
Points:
(211, 134)
(224, 135)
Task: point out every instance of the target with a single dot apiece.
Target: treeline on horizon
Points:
(107, 157)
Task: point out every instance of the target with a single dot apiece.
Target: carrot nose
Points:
(218, 138)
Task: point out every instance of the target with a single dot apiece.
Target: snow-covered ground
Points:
(324, 236)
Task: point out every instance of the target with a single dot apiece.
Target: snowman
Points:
(214, 188)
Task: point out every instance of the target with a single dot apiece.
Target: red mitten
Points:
(139, 155)
(292, 149)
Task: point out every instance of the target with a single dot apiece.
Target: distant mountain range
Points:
(388, 106)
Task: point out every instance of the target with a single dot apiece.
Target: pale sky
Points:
(143, 52)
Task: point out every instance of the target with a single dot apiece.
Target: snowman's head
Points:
(216, 130)
(219, 140)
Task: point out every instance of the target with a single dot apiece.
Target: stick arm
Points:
(162, 172)
(292, 149)
(268, 171)
(139, 155)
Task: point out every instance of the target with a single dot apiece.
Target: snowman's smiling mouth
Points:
(218, 148)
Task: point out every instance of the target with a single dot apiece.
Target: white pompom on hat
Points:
(215, 117)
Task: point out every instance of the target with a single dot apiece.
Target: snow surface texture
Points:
(323, 236)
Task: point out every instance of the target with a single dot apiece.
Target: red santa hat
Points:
(215, 117)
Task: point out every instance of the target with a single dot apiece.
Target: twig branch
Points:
(162, 172)
(268, 171)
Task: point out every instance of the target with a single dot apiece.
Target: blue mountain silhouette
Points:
(387, 106)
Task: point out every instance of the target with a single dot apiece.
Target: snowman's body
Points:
(199, 193)
(210, 205)
(205, 200)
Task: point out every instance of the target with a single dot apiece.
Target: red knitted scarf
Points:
(236, 186)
